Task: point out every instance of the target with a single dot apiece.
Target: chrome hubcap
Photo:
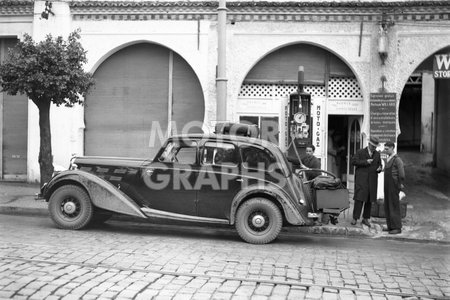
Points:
(69, 207)
(258, 221)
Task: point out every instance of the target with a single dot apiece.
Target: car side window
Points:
(214, 153)
(256, 158)
(179, 153)
(186, 155)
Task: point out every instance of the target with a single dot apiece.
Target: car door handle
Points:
(240, 179)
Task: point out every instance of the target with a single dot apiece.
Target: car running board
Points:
(149, 212)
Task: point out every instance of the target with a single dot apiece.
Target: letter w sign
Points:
(441, 66)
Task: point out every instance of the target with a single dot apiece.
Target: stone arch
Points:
(320, 46)
(140, 83)
(119, 47)
(423, 111)
(419, 59)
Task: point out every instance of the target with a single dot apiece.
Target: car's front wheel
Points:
(70, 207)
(258, 221)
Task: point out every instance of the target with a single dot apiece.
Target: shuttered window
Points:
(130, 101)
(13, 128)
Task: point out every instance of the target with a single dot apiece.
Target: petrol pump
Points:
(300, 120)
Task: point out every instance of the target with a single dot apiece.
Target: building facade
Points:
(155, 67)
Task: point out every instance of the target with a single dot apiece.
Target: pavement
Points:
(427, 217)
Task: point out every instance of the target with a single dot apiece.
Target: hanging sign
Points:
(441, 66)
(383, 116)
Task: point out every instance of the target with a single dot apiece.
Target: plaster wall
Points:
(62, 120)
(15, 26)
(428, 114)
(190, 39)
(247, 43)
(251, 42)
(410, 46)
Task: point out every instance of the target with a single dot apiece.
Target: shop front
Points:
(336, 107)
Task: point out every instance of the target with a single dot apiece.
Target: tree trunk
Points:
(45, 150)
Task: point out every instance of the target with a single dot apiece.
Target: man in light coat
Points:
(368, 164)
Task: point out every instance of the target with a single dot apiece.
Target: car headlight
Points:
(72, 165)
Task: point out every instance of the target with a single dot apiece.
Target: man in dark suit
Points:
(368, 164)
(310, 161)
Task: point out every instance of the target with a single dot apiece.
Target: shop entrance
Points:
(410, 119)
(344, 139)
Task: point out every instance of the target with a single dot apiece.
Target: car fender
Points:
(293, 216)
(102, 193)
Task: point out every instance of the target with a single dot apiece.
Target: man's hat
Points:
(374, 141)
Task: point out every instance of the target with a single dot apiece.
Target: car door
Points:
(170, 178)
(260, 167)
(218, 179)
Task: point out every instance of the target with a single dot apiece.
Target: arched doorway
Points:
(423, 117)
(135, 88)
(336, 105)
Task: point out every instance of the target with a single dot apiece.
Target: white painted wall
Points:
(247, 43)
(428, 115)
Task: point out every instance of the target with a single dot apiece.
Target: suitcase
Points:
(377, 210)
(332, 199)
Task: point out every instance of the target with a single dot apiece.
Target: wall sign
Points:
(345, 106)
(318, 138)
(441, 66)
(383, 116)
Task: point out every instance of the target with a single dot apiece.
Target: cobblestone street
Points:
(122, 260)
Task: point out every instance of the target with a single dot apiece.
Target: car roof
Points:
(227, 137)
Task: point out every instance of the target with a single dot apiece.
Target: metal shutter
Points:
(188, 103)
(132, 92)
(282, 65)
(14, 134)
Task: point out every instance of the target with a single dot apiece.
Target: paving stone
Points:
(314, 293)
(393, 297)
(261, 297)
(245, 290)
(147, 294)
(329, 296)
(202, 296)
(264, 289)
(346, 294)
(282, 290)
(182, 296)
(222, 296)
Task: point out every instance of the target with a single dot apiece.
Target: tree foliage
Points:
(49, 71)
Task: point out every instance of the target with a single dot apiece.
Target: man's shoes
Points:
(353, 222)
(366, 222)
(333, 220)
(395, 231)
(385, 228)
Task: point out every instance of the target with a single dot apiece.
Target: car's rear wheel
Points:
(70, 207)
(258, 221)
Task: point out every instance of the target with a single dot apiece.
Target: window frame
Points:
(216, 144)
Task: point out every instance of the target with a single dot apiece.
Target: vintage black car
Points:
(226, 179)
